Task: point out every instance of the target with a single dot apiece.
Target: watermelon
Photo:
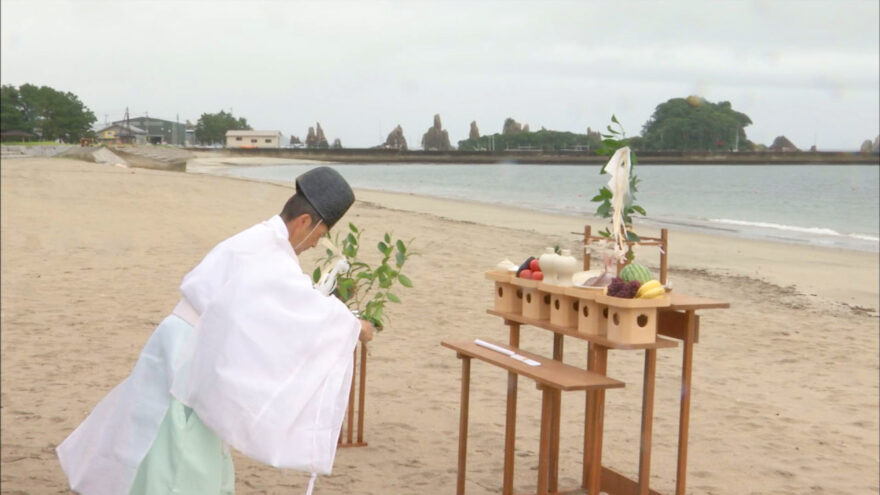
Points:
(635, 271)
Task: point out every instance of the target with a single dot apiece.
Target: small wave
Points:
(793, 228)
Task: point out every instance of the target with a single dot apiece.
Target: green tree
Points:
(45, 111)
(692, 123)
(543, 139)
(11, 115)
(212, 127)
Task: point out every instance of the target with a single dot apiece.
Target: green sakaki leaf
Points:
(400, 258)
(382, 247)
(316, 275)
(614, 119)
(632, 236)
(387, 238)
(401, 246)
(352, 227)
(393, 298)
(639, 209)
(404, 280)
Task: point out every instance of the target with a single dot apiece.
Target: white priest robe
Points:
(265, 363)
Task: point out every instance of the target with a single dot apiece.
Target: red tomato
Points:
(534, 266)
(525, 274)
(537, 275)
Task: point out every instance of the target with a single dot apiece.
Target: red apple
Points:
(534, 266)
(525, 274)
(538, 275)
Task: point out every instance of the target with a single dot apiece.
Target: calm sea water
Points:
(827, 205)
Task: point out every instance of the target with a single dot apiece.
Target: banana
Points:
(655, 292)
(647, 286)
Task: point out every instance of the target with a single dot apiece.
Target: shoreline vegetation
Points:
(372, 155)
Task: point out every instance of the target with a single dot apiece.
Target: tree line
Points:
(679, 124)
(44, 112)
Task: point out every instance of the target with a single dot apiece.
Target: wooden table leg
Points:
(547, 398)
(685, 410)
(588, 422)
(556, 413)
(647, 421)
(600, 364)
(510, 420)
(463, 422)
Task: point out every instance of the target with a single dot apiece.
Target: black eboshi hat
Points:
(327, 191)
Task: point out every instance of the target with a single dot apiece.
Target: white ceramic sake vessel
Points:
(547, 262)
(565, 265)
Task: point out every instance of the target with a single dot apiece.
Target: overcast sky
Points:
(809, 70)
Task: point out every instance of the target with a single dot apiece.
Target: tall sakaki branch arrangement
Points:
(364, 288)
(614, 140)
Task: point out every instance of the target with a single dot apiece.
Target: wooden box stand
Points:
(590, 318)
(563, 307)
(535, 302)
(631, 321)
(508, 297)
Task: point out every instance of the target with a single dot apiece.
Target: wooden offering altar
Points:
(606, 323)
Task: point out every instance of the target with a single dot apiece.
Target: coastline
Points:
(785, 387)
(831, 276)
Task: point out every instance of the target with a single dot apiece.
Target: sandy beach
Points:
(785, 392)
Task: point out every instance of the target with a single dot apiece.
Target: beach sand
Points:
(785, 389)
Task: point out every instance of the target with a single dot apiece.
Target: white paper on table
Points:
(506, 352)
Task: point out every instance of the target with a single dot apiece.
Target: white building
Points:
(253, 139)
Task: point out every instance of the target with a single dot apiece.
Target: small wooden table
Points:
(551, 377)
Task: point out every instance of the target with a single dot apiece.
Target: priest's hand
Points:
(366, 331)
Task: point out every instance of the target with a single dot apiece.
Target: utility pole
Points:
(128, 124)
(177, 129)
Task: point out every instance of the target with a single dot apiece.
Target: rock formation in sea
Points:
(436, 138)
(475, 131)
(781, 143)
(337, 144)
(395, 139)
(511, 127)
(316, 139)
(294, 140)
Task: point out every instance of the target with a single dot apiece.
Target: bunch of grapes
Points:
(622, 288)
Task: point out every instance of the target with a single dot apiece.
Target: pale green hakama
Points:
(186, 457)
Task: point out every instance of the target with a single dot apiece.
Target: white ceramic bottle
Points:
(547, 262)
(565, 265)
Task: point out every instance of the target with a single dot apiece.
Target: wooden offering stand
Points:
(662, 242)
(607, 323)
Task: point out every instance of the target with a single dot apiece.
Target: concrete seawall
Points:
(355, 155)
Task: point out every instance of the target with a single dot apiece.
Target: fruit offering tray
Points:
(588, 312)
